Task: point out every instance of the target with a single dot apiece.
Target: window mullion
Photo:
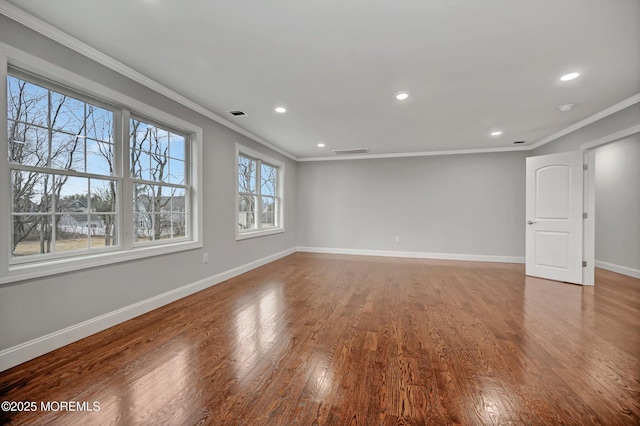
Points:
(89, 206)
(5, 190)
(52, 213)
(280, 196)
(259, 195)
(70, 173)
(49, 128)
(165, 184)
(188, 180)
(125, 196)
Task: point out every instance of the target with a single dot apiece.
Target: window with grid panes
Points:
(64, 182)
(65, 155)
(158, 169)
(259, 194)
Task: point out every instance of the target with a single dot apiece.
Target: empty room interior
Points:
(320, 212)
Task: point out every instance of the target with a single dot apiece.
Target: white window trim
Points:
(9, 55)
(240, 149)
(188, 159)
(48, 257)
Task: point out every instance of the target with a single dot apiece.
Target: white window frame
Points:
(260, 158)
(117, 177)
(124, 106)
(186, 185)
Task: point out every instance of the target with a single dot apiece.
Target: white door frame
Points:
(589, 229)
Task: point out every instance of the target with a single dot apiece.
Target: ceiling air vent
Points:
(351, 151)
(237, 113)
(519, 141)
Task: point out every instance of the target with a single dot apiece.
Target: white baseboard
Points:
(415, 254)
(34, 348)
(635, 273)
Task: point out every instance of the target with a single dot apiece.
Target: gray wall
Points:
(34, 308)
(461, 204)
(618, 203)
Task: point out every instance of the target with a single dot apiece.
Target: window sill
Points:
(59, 266)
(256, 234)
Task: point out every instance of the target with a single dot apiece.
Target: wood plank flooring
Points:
(339, 340)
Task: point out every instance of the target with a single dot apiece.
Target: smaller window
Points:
(161, 185)
(260, 189)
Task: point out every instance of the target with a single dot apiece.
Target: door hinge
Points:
(584, 215)
(584, 263)
(585, 167)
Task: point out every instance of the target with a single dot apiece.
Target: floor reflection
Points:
(160, 387)
(151, 388)
(548, 301)
(322, 376)
(259, 322)
(549, 304)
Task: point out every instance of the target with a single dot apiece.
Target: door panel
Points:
(552, 192)
(552, 249)
(554, 217)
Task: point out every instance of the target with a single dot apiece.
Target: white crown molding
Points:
(580, 124)
(610, 138)
(416, 154)
(84, 49)
(589, 120)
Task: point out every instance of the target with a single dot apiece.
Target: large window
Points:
(70, 197)
(62, 167)
(259, 194)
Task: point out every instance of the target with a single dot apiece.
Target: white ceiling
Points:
(472, 66)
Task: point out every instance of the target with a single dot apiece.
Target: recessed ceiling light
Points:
(321, 145)
(281, 110)
(570, 76)
(496, 133)
(565, 107)
(401, 96)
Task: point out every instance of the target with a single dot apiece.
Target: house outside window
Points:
(64, 184)
(161, 190)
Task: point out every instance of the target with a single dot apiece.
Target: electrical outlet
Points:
(397, 238)
(205, 258)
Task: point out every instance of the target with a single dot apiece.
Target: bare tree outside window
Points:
(258, 197)
(53, 140)
(247, 175)
(157, 158)
(268, 193)
(65, 156)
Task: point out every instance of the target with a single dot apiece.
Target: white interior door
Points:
(554, 217)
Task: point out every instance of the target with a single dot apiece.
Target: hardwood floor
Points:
(331, 339)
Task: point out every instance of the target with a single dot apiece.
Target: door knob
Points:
(531, 222)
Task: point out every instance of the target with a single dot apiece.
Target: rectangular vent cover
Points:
(237, 113)
(351, 151)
